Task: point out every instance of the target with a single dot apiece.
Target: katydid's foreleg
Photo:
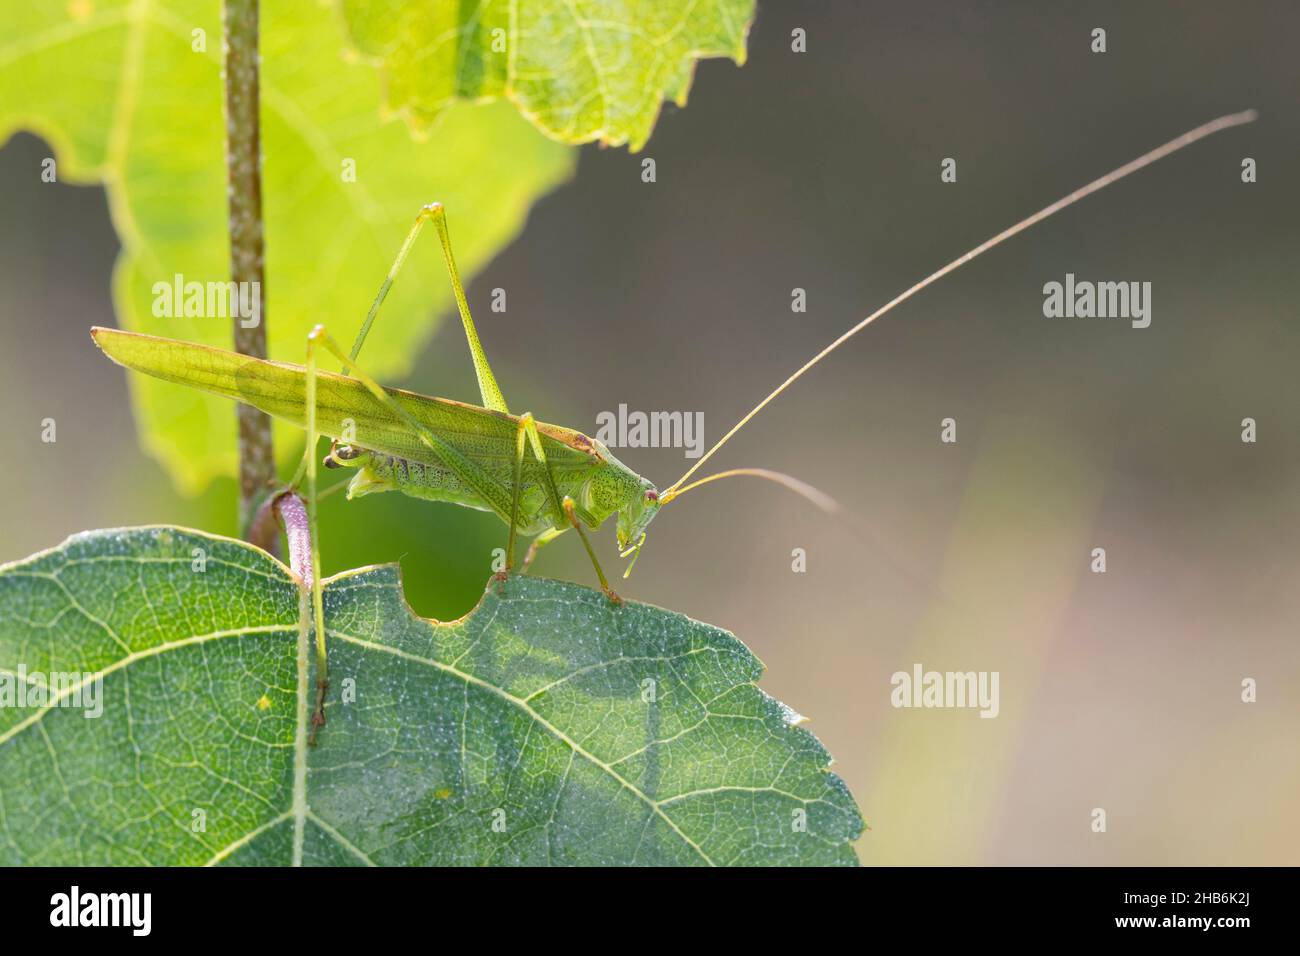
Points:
(335, 460)
(539, 542)
(564, 506)
(487, 383)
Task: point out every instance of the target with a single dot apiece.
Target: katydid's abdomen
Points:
(378, 472)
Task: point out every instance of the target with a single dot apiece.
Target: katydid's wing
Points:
(345, 408)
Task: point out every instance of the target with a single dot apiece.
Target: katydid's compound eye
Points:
(651, 495)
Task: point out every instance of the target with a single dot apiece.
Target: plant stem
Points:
(262, 530)
(244, 176)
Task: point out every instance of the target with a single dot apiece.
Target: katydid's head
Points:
(633, 518)
(616, 489)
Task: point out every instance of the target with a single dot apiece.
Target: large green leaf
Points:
(119, 90)
(582, 70)
(547, 726)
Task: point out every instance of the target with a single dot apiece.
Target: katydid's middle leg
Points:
(521, 439)
(527, 434)
(539, 542)
(564, 506)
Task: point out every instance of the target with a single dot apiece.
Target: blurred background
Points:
(820, 170)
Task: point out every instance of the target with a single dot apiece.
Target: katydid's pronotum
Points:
(540, 479)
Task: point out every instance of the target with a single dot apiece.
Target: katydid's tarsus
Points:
(540, 479)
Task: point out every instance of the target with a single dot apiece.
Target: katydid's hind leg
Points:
(492, 491)
(565, 507)
(539, 542)
(387, 284)
(487, 383)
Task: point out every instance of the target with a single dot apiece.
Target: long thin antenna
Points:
(1160, 152)
(819, 498)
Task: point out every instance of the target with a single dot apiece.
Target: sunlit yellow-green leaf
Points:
(582, 70)
(128, 93)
